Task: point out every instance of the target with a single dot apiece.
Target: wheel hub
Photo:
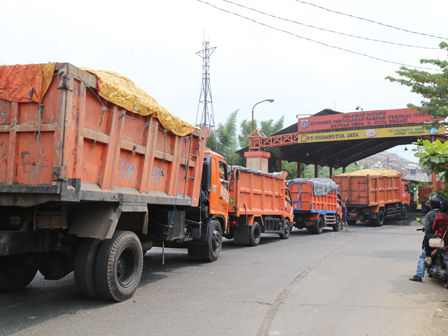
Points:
(121, 266)
(216, 239)
(125, 267)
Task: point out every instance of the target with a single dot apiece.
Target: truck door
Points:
(219, 195)
(288, 203)
(405, 195)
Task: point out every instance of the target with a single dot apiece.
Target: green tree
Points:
(433, 156)
(268, 128)
(224, 140)
(432, 86)
(308, 171)
(245, 130)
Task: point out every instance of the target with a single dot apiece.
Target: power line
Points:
(328, 30)
(372, 21)
(222, 79)
(318, 42)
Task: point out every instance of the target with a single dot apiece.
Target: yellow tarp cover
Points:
(123, 92)
(25, 83)
(377, 172)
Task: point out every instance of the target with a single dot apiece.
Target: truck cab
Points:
(405, 195)
(215, 186)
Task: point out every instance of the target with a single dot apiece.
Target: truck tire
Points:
(379, 220)
(337, 225)
(214, 244)
(119, 266)
(286, 229)
(317, 229)
(208, 251)
(16, 272)
(255, 234)
(351, 222)
(85, 262)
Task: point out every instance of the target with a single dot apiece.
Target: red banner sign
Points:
(365, 118)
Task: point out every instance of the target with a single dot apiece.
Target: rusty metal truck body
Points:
(80, 176)
(374, 197)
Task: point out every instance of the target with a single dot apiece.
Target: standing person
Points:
(434, 203)
(339, 210)
(344, 215)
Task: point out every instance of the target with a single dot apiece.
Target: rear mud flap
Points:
(96, 220)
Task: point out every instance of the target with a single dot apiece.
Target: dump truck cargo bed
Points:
(257, 193)
(374, 195)
(369, 190)
(74, 146)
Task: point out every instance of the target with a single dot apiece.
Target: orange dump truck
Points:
(93, 173)
(259, 203)
(315, 204)
(374, 195)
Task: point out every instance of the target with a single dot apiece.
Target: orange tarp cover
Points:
(25, 83)
(29, 83)
(123, 92)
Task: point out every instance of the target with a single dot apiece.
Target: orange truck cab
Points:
(315, 204)
(374, 197)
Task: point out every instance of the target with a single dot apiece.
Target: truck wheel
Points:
(255, 234)
(119, 266)
(214, 242)
(16, 272)
(85, 268)
(351, 222)
(404, 215)
(286, 229)
(379, 220)
(317, 229)
(209, 251)
(337, 225)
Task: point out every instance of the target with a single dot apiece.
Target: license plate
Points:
(353, 214)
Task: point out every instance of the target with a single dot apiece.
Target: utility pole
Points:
(205, 98)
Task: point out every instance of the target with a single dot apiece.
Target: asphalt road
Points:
(338, 283)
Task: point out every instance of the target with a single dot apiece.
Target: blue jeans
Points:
(421, 264)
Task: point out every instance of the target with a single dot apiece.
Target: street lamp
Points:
(359, 108)
(266, 100)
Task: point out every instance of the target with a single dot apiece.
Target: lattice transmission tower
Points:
(205, 98)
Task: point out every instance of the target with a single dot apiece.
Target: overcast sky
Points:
(154, 43)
